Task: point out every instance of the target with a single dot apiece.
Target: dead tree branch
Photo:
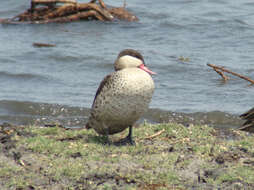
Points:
(225, 77)
(69, 11)
(231, 72)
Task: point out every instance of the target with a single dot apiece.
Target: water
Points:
(219, 32)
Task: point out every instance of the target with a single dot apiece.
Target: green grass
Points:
(8, 171)
(54, 157)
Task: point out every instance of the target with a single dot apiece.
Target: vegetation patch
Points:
(166, 156)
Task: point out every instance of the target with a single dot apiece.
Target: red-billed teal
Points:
(123, 96)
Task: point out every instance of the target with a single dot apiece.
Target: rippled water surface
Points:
(219, 32)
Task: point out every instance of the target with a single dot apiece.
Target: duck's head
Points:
(130, 58)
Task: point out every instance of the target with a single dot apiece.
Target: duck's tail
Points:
(248, 125)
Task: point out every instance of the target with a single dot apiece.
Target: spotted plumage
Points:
(123, 96)
(249, 123)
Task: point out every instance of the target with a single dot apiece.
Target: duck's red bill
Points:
(143, 67)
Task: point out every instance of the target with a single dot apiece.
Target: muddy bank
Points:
(166, 156)
(29, 113)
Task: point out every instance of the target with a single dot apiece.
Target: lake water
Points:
(44, 83)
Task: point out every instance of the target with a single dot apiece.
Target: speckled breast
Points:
(122, 101)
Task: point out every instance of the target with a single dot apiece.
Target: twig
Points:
(231, 72)
(92, 6)
(43, 45)
(225, 77)
(53, 1)
(49, 3)
(155, 135)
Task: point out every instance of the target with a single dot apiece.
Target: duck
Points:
(248, 125)
(123, 96)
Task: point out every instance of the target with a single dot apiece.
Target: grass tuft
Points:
(166, 156)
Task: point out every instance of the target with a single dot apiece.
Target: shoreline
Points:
(30, 113)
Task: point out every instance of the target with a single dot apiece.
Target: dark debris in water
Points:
(39, 45)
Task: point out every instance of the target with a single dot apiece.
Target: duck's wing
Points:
(103, 84)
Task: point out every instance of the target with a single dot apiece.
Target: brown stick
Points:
(61, 11)
(225, 77)
(75, 17)
(88, 6)
(155, 135)
(53, 1)
(231, 72)
(85, 15)
(71, 12)
(49, 3)
(73, 9)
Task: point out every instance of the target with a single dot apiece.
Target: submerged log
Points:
(216, 68)
(71, 11)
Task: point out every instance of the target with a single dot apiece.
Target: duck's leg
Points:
(128, 139)
(105, 136)
(108, 142)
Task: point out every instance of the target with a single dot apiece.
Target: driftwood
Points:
(220, 69)
(68, 12)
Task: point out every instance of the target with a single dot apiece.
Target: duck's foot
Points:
(106, 140)
(127, 140)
